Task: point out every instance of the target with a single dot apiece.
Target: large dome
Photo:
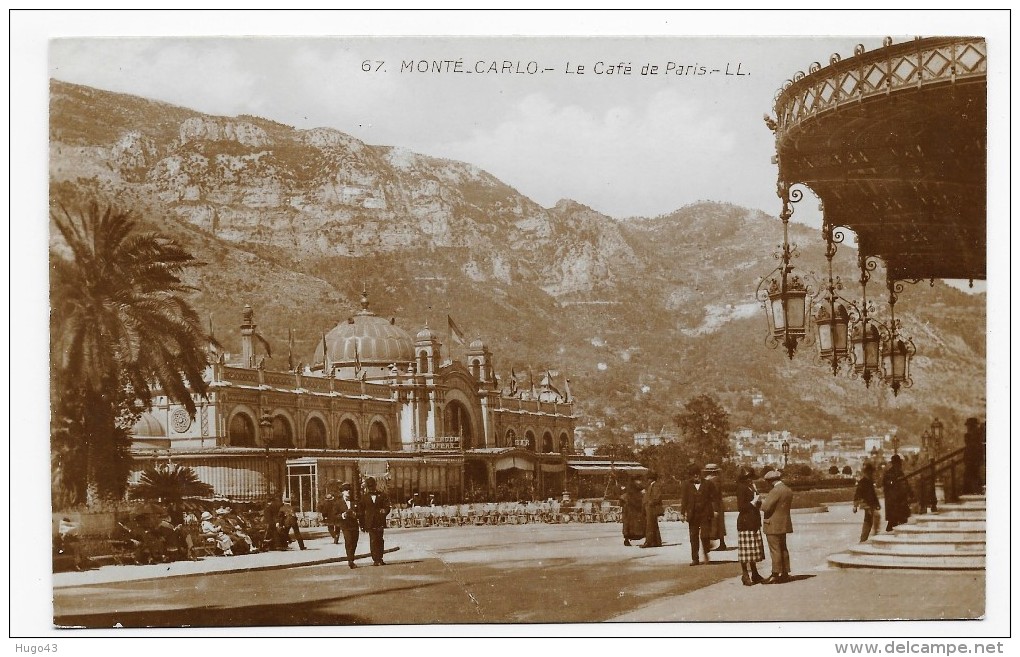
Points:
(366, 337)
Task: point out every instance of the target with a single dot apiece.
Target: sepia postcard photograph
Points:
(468, 324)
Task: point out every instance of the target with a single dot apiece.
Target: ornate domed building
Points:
(374, 401)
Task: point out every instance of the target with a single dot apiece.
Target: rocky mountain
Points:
(641, 314)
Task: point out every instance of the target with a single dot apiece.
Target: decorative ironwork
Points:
(905, 66)
(866, 335)
(785, 298)
(897, 351)
(833, 318)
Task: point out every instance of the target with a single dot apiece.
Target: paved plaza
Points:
(520, 574)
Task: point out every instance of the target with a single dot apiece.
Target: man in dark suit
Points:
(347, 519)
(271, 518)
(699, 507)
(777, 524)
(374, 507)
(331, 516)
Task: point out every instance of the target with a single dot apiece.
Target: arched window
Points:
(377, 438)
(564, 443)
(242, 431)
(529, 438)
(547, 442)
(315, 434)
(348, 435)
(457, 422)
(476, 369)
(509, 438)
(423, 362)
(283, 435)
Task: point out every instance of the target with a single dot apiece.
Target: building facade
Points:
(375, 401)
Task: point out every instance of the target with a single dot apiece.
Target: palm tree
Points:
(120, 329)
(169, 483)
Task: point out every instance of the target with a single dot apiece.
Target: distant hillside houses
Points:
(648, 438)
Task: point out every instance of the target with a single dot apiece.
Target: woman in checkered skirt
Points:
(750, 549)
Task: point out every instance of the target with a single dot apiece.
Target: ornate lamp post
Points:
(936, 437)
(266, 429)
(786, 454)
(895, 444)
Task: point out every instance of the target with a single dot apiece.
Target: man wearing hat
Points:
(330, 516)
(347, 519)
(699, 506)
(374, 507)
(777, 524)
(288, 523)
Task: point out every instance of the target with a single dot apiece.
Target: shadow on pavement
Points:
(316, 612)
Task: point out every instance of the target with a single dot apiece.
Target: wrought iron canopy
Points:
(893, 142)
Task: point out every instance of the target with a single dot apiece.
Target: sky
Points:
(625, 145)
(564, 121)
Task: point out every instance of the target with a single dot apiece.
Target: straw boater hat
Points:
(222, 511)
(711, 467)
(206, 515)
(772, 475)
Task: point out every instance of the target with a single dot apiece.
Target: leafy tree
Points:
(669, 460)
(834, 469)
(169, 483)
(617, 452)
(847, 470)
(120, 327)
(705, 427)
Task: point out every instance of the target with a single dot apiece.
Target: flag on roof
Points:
(455, 333)
(327, 366)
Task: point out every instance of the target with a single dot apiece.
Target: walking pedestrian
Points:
(777, 524)
(331, 516)
(347, 518)
(698, 509)
(718, 529)
(866, 499)
(897, 493)
(750, 548)
(271, 519)
(652, 506)
(289, 523)
(374, 507)
(632, 505)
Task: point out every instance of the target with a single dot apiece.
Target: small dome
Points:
(477, 344)
(148, 426)
(425, 335)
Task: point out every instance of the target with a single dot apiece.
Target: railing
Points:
(910, 65)
(948, 467)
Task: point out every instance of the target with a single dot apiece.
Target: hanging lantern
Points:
(896, 355)
(833, 333)
(866, 350)
(788, 303)
(897, 351)
(785, 299)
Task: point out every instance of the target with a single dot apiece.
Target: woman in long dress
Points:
(750, 548)
(897, 494)
(633, 511)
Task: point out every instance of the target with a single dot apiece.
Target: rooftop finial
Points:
(364, 297)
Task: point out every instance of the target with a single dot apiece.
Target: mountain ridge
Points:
(296, 222)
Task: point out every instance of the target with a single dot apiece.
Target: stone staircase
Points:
(953, 538)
